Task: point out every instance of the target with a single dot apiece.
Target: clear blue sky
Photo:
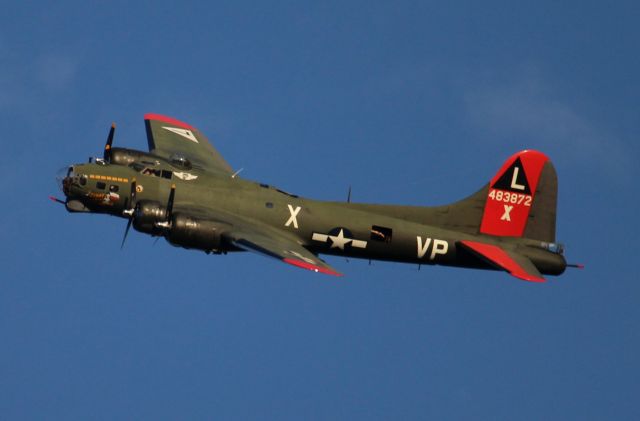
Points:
(408, 102)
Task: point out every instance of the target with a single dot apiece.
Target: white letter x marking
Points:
(506, 216)
(292, 219)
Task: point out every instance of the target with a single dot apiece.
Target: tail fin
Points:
(521, 199)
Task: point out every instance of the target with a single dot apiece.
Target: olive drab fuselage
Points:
(190, 196)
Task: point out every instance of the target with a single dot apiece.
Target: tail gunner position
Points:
(184, 191)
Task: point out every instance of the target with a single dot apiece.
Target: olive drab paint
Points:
(182, 189)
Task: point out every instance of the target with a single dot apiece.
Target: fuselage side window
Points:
(382, 234)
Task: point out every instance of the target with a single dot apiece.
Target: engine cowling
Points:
(124, 156)
(147, 215)
(193, 233)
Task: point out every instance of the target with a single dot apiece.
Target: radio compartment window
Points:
(382, 234)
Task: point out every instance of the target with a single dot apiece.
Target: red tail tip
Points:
(511, 194)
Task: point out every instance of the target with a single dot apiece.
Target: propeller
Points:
(167, 214)
(130, 212)
(126, 232)
(172, 195)
(107, 146)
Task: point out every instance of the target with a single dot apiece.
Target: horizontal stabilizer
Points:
(517, 265)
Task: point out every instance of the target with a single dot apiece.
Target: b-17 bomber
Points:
(182, 189)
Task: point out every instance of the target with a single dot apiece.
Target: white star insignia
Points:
(339, 241)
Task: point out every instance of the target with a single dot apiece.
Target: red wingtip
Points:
(168, 120)
(309, 266)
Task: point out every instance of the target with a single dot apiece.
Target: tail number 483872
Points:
(509, 197)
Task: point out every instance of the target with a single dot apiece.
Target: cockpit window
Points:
(114, 188)
(100, 185)
(83, 180)
(151, 172)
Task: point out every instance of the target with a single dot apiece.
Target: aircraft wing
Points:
(279, 247)
(516, 264)
(168, 137)
(251, 235)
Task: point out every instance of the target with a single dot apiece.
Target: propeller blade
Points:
(129, 205)
(134, 187)
(126, 232)
(107, 146)
(130, 210)
(172, 195)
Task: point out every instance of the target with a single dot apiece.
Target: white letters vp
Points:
(439, 247)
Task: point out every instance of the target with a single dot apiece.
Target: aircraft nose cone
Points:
(63, 178)
(60, 176)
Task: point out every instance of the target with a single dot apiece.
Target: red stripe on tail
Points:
(511, 194)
